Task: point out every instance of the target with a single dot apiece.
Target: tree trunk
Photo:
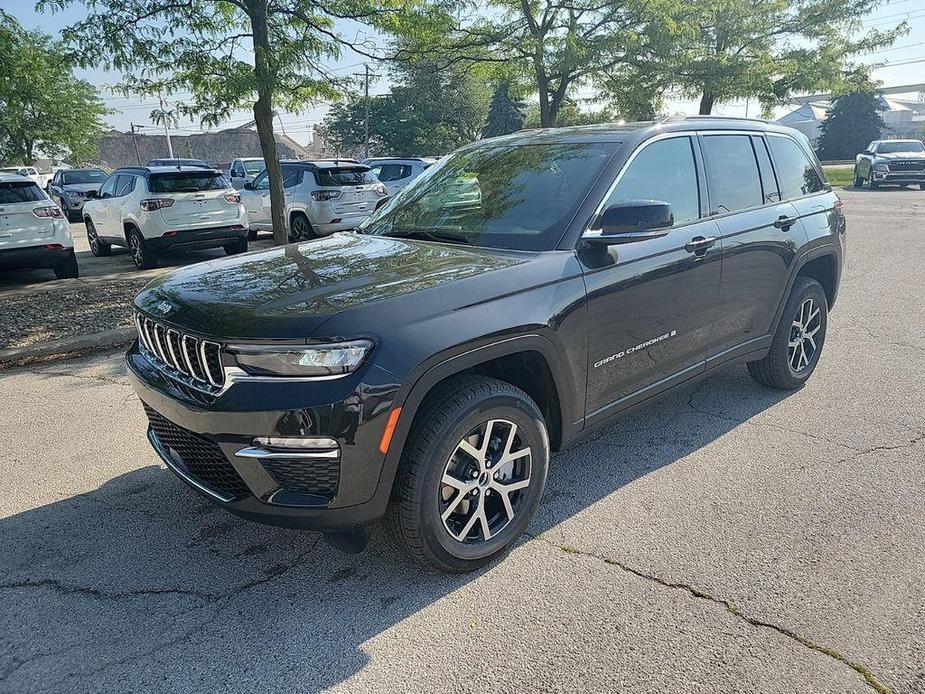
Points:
(706, 103)
(263, 117)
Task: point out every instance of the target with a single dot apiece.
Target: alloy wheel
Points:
(135, 247)
(484, 482)
(93, 238)
(802, 347)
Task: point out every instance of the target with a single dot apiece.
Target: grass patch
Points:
(840, 175)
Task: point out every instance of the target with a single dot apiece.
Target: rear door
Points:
(802, 185)
(19, 226)
(198, 198)
(760, 232)
(651, 303)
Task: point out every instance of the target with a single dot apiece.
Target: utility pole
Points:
(166, 128)
(135, 142)
(366, 74)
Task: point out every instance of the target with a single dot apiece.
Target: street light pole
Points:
(135, 143)
(166, 129)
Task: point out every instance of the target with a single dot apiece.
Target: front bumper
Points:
(33, 257)
(899, 177)
(198, 239)
(209, 443)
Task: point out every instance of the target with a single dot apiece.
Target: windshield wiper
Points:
(427, 235)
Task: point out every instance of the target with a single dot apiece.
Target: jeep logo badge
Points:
(164, 307)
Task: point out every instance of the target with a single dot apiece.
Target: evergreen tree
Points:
(505, 114)
(852, 122)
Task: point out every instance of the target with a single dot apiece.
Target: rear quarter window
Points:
(795, 172)
(19, 191)
(186, 182)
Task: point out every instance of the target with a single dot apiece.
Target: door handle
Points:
(784, 222)
(699, 245)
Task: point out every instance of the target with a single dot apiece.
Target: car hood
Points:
(80, 187)
(288, 292)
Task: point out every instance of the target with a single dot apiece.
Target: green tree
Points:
(505, 114)
(228, 54)
(766, 49)
(44, 109)
(852, 122)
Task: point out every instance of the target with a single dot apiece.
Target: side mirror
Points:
(92, 194)
(632, 220)
(249, 185)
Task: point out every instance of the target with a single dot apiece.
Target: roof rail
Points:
(683, 117)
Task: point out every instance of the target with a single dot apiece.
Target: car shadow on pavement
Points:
(143, 585)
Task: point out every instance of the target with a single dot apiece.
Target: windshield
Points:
(514, 196)
(355, 176)
(70, 178)
(187, 182)
(255, 166)
(16, 191)
(900, 146)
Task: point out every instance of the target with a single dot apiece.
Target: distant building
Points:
(117, 148)
(903, 119)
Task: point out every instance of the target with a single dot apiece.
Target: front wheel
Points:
(97, 247)
(798, 341)
(471, 475)
(871, 183)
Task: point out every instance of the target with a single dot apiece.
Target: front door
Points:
(651, 303)
(257, 202)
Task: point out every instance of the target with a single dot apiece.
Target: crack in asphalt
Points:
(872, 681)
(220, 599)
(93, 377)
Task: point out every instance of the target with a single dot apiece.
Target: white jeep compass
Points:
(158, 209)
(321, 197)
(33, 230)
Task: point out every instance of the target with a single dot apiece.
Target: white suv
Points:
(395, 172)
(157, 209)
(321, 197)
(33, 230)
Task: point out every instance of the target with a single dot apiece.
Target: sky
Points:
(128, 110)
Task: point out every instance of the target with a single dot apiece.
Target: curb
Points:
(66, 346)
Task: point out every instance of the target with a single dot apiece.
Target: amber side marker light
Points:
(389, 430)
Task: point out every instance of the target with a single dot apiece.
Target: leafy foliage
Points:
(766, 49)
(43, 108)
(852, 122)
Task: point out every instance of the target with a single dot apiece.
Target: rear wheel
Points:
(97, 247)
(68, 268)
(798, 342)
(239, 246)
(471, 474)
(143, 255)
(300, 229)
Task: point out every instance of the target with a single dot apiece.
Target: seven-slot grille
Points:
(198, 359)
(910, 165)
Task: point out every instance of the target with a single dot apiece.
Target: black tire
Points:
(858, 181)
(871, 183)
(300, 229)
(777, 369)
(252, 235)
(143, 255)
(239, 246)
(98, 247)
(453, 412)
(68, 269)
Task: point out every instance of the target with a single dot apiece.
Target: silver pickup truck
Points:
(891, 162)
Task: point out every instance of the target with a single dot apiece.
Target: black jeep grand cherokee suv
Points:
(522, 290)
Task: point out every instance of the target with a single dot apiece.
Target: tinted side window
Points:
(732, 171)
(262, 182)
(125, 185)
(392, 172)
(109, 187)
(768, 180)
(664, 170)
(795, 172)
(292, 176)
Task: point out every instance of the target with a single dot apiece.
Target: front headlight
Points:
(881, 167)
(322, 359)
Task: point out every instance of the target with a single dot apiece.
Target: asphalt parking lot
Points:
(726, 539)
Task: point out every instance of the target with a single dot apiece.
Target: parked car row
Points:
(184, 204)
